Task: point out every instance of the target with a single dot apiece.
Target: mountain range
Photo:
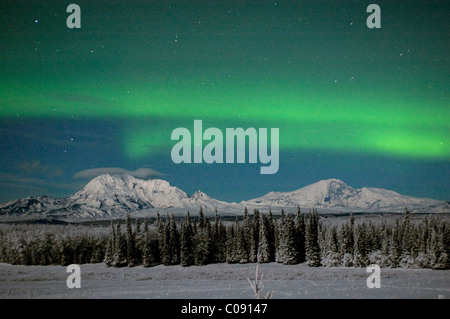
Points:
(114, 196)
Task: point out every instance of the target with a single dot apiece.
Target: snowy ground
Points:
(219, 281)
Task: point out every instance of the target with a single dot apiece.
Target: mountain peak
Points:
(334, 194)
(199, 194)
(331, 182)
(116, 195)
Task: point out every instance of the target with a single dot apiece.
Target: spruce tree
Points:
(271, 235)
(300, 230)
(256, 225)
(231, 254)
(248, 239)
(131, 243)
(174, 241)
(139, 236)
(312, 240)
(289, 253)
(347, 239)
(280, 237)
(218, 242)
(263, 244)
(331, 256)
(395, 246)
(160, 228)
(187, 244)
(167, 246)
(241, 251)
(222, 244)
(361, 246)
(424, 236)
(110, 247)
(385, 244)
(214, 234)
(120, 250)
(202, 240)
(147, 253)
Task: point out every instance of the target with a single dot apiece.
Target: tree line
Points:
(52, 244)
(288, 239)
(262, 238)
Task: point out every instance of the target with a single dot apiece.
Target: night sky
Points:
(368, 106)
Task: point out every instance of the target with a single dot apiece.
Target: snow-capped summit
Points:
(117, 195)
(336, 195)
(200, 199)
(125, 189)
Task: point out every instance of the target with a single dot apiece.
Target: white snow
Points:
(109, 196)
(333, 194)
(219, 281)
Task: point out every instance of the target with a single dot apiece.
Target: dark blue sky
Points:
(367, 106)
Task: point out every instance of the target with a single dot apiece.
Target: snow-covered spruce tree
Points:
(174, 241)
(407, 235)
(289, 244)
(63, 248)
(222, 243)
(241, 249)
(110, 247)
(171, 250)
(348, 242)
(256, 225)
(202, 240)
(280, 237)
(160, 229)
(187, 243)
(271, 235)
(139, 239)
(218, 241)
(131, 243)
(300, 234)
(98, 250)
(263, 244)
(331, 256)
(248, 243)
(312, 240)
(231, 256)
(147, 253)
(385, 236)
(395, 246)
(374, 237)
(166, 255)
(423, 241)
(362, 246)
(438, 252)
(46, 248)
(253, 249)
(213, 237)
(120, 250)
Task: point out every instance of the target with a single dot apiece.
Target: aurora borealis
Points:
(368, 106)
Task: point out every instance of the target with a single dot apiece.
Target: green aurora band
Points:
(334, 118)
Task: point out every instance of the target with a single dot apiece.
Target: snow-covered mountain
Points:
(107, 192)
(117, 195)
(333, 194)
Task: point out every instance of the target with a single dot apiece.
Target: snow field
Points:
(222, 281)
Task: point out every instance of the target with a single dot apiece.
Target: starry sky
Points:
(368, 106)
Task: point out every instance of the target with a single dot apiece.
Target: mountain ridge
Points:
(116, 195)
(335, 194)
